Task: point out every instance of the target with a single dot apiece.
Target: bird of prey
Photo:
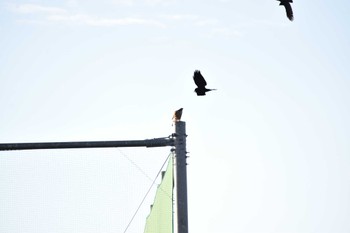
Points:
(177, 115)
(201, 83)
(289, 11)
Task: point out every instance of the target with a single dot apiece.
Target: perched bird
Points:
(177, 115)
(289, 11)
(201, 83)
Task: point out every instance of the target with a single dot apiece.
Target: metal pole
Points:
(181, 177)
(156, 142)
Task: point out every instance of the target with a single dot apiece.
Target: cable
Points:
(146, 194)
(137, 166)
(141, 170)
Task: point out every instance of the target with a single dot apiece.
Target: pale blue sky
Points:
(269, 150)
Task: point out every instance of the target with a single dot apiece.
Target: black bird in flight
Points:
(289, 11)
(201, 83)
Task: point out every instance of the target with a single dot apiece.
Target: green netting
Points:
(160, 220)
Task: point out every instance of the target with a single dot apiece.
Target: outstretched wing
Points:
(199, 80)
(289, 10)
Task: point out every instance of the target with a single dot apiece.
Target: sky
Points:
(269, 150)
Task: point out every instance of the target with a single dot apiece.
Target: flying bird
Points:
(177, 115)
(201, 83)
(289, 11)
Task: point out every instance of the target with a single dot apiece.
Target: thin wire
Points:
(142, 171)
(137, 166)
(146, 194)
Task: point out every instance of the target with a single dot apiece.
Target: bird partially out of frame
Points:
(201, 83)
(177, 115)
(289, 11)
